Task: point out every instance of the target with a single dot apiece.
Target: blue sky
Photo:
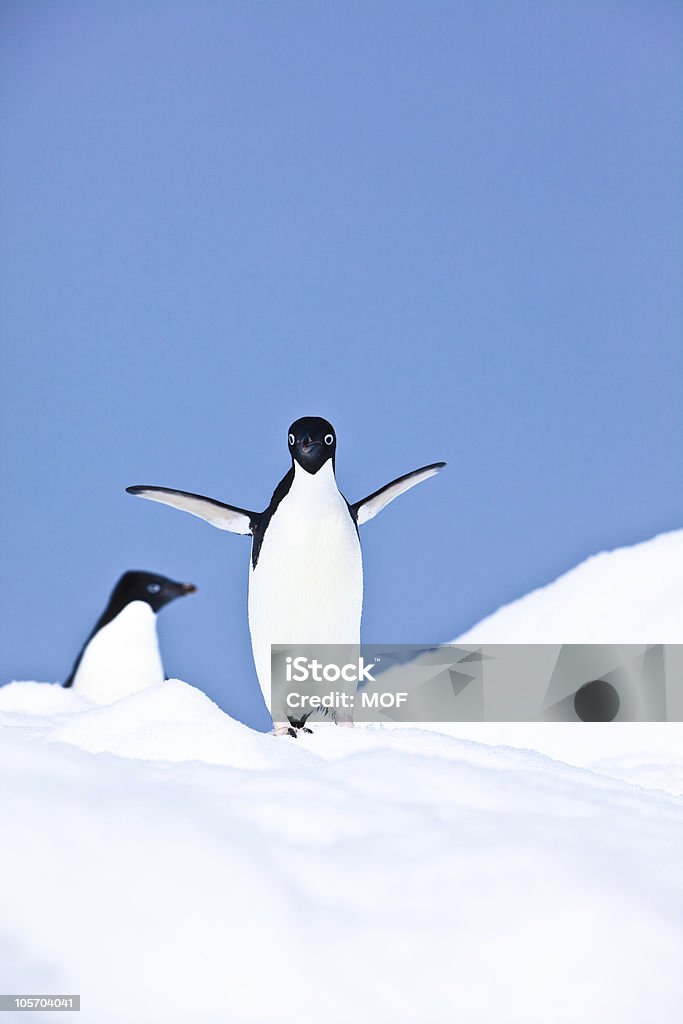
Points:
(453, 229)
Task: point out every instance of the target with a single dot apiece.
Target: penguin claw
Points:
(299, 724)
(295, 726)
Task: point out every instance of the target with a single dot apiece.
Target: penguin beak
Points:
(187, 588)
(308, 444)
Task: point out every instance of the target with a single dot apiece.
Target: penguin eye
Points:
(154, 588)
(329, 438)
(291, 438)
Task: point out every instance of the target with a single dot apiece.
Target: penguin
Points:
(121, 655)
(305, 573)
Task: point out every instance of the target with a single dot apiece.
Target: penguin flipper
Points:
(220, 515)
(374, 503)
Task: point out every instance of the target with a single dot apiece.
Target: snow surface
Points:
(170, 864)
(633, 595)
(630, 595)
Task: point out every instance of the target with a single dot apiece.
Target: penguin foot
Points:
(299, 724)
(291, 728)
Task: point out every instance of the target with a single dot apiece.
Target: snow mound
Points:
(627, 596)
(40, 699)
(196, 869)
(170, 864)
(171, 721)
(630, 595)
(211, 872)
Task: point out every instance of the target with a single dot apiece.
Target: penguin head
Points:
(312, 442)
(154, 590)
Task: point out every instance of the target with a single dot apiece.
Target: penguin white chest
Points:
(307, 586)
(122, 658)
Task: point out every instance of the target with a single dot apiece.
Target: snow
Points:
(633, 595)
(630, 595)
(170, 864)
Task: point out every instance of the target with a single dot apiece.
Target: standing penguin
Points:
(306, 575)
(121, 655)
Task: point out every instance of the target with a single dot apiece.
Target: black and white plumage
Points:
(121, 655)
(306, 576)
